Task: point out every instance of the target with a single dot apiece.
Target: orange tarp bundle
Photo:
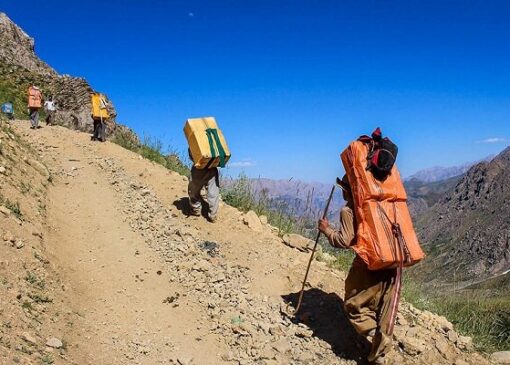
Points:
(381, 210)
(34, 97)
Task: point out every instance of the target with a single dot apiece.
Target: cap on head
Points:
(344, 183)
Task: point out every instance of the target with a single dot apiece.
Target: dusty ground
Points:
(134, 280)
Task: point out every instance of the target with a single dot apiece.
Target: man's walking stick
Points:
(300, 300)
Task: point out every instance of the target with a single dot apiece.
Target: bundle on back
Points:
(207, 145)
(385, 236)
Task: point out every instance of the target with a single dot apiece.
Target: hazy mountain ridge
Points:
(295, 197)
(440, 173)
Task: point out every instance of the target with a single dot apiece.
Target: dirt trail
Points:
(116, 289)
(148, 285)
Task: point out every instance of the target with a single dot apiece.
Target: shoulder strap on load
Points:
(213, 138)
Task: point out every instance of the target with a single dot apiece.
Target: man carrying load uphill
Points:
(208, 150)
(99, 115)
(34, 104)
(376, 224)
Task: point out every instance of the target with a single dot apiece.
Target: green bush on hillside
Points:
(152, 149)
(484, 317)
(240, 194)
(14, 85)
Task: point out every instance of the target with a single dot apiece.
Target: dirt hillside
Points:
(103, 266)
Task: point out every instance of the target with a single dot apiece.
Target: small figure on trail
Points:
(99, 115)
(50, 108)
(8, 110)
(376, 224)
(208, 150)
(208, 178)
(34, 104)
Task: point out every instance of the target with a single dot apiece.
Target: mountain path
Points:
(150, 285)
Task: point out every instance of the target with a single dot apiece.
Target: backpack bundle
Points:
(207, 145)
(34, 97)
(99, 106)
(385, 236)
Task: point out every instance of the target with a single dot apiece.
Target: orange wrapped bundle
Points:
(34, 97)
(385, 236)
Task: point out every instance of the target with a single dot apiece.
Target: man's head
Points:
(346, 187)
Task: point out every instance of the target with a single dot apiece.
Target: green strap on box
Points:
(213, 138)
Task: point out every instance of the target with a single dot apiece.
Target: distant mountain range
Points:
(295, 197)
(439, 173)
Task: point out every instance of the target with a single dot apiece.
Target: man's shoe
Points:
(213, 218)
(195, 213)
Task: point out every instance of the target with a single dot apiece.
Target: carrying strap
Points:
(405, 256)
(214, 139)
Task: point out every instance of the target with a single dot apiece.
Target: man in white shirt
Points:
(50, 108)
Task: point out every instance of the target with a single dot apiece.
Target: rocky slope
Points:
(20, 67)
(31, 311)
(422, 195)
(468, 231)
(133, 279)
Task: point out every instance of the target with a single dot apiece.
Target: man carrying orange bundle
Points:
(34, 104)
(376, 224)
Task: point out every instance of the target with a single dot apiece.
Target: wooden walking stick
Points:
(300, 300)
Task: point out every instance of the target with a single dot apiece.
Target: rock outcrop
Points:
(21, 67)
(18, 48)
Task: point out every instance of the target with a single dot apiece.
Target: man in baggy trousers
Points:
(208, 177)
(368, 293)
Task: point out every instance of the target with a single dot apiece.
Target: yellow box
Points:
(208, 147)
(99, 106)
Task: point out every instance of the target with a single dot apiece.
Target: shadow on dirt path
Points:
(323, 313)
(183, 206)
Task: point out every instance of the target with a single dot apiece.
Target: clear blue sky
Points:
(292, 82)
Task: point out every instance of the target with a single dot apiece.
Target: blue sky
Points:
(292, 82)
